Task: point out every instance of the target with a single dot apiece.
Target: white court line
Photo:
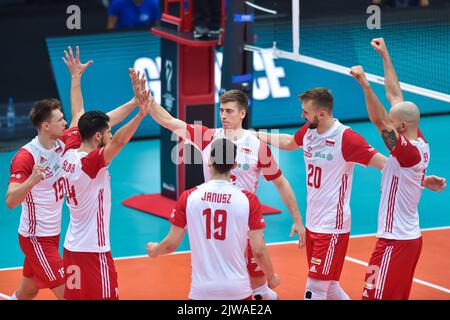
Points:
(4, 296)
(425, 283)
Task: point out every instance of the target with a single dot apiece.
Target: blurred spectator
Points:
(133, 13)
(207, 18)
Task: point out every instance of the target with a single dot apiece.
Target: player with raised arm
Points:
(36, 183)
(393, 262)
(330, 150)
(219, 218)
(87, 155)
(253, 157)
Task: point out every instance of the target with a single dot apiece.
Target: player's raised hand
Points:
(358, 73)
(274, 282)
(151, 249)
(37, 175)
(299, 229)
(73, 63)
(435, 183)
(380, 46)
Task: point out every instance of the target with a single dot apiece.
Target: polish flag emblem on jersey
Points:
(330, 142)
(246, 150)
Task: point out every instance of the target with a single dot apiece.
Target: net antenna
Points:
(296, 56)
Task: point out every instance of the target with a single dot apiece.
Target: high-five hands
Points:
(76, 68)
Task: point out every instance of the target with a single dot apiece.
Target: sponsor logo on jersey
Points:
(42, 159)
(58, 149)
(16, 176)
(316, 261)
(368, 286)
(307, 154)
(313, 269)
(327, 156)
(173, 214)
(371, 149)
(330, 142)
(309, 138)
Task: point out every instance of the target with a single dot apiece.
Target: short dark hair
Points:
(42, 111)
(92, 122)
(235, 96)
(321, 97)
(223, 155)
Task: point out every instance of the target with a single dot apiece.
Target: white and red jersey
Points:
(41, 210)
(88, 198)
(253, 156)
(218, 217)
(401, 189)
(330, 158)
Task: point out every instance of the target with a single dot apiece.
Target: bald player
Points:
(393, 262)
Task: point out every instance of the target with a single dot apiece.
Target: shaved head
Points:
(405, 112)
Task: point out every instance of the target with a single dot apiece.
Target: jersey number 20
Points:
(314, 176)
(220, 223)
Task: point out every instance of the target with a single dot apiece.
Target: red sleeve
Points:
(356, 149)
(266, 161)
(93, 162)
(21, 166)
(300, 134)
(71, 139)
(199, 135)
(178, 216)
(255, 218)
(406, 154)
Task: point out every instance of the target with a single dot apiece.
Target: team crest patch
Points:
(313, 269)
(316, 261)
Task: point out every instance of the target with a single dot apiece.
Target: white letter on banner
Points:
(261, 89)
(273, 74)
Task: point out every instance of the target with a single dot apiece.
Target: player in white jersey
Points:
(330, 150)
(253, 158)
(393, 262)
(88, 261)
(219, 218)
(36, 183)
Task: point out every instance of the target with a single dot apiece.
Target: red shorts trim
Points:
(326, 254)
(252, 267)
(391, 269)
(90, 276)
(42, 262)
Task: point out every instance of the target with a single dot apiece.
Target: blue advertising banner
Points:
(277, 82)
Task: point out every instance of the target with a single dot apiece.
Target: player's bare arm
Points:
(161, 116)
(378, 161)
(377, 113)
(120, 113)
(394, 93)
(280, 141)
(17, 192)
(288, 196)
(170, 243)
(262, 256)
(435, 183)
(76, 70)
(125, 133)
